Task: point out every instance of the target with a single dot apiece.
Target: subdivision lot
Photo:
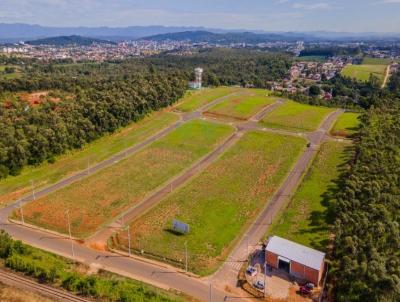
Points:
(12, 188)
(98, 199)
(308, 217)
(242, 106)
(218, 204)
(346, 124)
(194, 99)
(363, 72)
(296, 116)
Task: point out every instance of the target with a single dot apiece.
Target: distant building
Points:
(295, 259)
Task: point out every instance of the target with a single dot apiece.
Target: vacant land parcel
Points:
(346, 125)
(12, 188)
(195, 99)
(308, 216)
(296, 116)
(363, 72)
(219, 204)
(241, 106)
(99, 198)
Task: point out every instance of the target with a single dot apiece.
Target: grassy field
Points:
(242, 106)
(9, 76)
(218, 204)
(363, 72)
(376, 61)
(307, 218)
(346, 125)
(194, 99)
(296, 116)
(99, 198)
(13, 187)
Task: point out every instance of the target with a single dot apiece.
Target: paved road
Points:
(227, 274)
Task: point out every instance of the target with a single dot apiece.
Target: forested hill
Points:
(227, 38)
(68, 40)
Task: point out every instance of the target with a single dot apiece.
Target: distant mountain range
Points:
(23, 32)
(68, 40)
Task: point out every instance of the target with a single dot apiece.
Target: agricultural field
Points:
(13, 187)
(363, 72)
(195, 99)
(296, 116)
(99, 198)
(242, 107)
(346, 125)
(233, 189)
(308, 217)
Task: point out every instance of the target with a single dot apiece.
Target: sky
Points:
(268, 15)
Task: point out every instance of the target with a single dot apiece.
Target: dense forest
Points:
(89, 100)
(367, 229)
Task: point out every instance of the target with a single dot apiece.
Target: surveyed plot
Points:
(296, 116)
(12, 188)
(346, 125)
(363, 72)
(97, 199)
(243, 106)
(308, 217)
(195, 99)
(218, 204)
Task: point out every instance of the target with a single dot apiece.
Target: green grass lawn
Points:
(13, 187)
(9, 76)
(376, 61)
(308, 218)
(194, 99)
(242, 106)
(218, 204)
(346, 125)
(296, 116)
(99, 198)
(363, 72)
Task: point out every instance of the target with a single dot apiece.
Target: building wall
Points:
(271, 259)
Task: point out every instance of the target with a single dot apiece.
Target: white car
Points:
(259, 284)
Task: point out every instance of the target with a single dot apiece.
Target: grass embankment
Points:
(218, 204)
(308, 217)
(363, 72)
(14, 187)
(195, 99)
(60, 272)
(296, 116)
(242, 106)
(346, 125)
(97, 199)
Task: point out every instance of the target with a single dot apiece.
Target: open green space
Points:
(14, 187)
(219, 204)
(296, 116)
(363, 72)
(60, 272)
(99, 198)
(195, 99)
(242, 106)
(308, 217)
(9, 72)
(346, 124)
(376, 61)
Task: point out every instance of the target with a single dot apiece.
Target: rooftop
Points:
(295, 252)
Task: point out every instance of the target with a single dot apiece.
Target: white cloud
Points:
(313, 6)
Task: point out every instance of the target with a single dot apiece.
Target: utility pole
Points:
(33, 190)
(186, 260)
(210, 292)
(265, 279)
(22, 212)
(88, 164)
(70, 236)
(129, 240)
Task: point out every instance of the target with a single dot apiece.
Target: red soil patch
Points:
(36, 98)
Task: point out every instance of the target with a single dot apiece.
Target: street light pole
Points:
(265, 279)
(70, 236)
(22, 212)
(129, 240)
(186, 257)
(33, 190)
(210, 292)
